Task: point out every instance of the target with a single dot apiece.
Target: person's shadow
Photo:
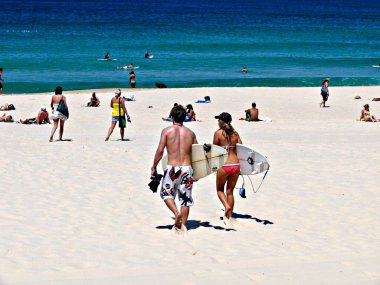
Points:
(249, 217)
(194, 224)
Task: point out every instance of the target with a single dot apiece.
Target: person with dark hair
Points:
(190, 112)
(178, 174)
(6, 118)
(132, 79)
(168, 118)
(56, 115)
(227, 137)
(244, 70)
(107, 56)
(1, 81)
(324, 92)
(94, 101)
(366, 115)
(118, 114)
(252, 114)
(7, 107)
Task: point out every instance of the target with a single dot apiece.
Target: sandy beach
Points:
(80, 212)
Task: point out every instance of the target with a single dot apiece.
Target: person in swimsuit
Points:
(57, 116)
(244, 70)
(252, 114)
(7, 107)
(324, 92)
(6, 118)
(118, 112)
(94, 101)
(366, 115)
(178, 175)
(132, 79)
(107, 56)
(227, 137)
(42, 118)
(1, 81)
(190, 112)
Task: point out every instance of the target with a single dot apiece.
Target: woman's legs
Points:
(221, 179)
(122, 133)
(55, 126)
(61, 127)
(113, 124)
(231, 183)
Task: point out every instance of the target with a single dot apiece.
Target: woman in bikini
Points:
(366, 115)
(227, 137)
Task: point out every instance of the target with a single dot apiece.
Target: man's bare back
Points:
(178, 141)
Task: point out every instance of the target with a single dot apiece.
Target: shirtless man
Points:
(42, 118)
(178, 173)
(253, 113)
(1, 80)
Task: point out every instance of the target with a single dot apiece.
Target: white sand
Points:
(80, 212)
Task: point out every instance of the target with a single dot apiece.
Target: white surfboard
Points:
(135, 67)
(376, 66)
(251, 161)
(104, 59)
(204, 164)
(151, 56)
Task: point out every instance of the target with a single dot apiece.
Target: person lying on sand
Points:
(7, 107)
(178, 175)
(6, 118)
(252, 114)
(41, 118)
(94, 101)
(366, 115)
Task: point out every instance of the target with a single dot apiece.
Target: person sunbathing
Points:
(6, 118)
(42, 118)
(366, 115)
(94, 101)
(7, 107)
(252, 114)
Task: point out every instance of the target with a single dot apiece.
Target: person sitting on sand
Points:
(366, 115)
(7, 107)
(244, 70)
(42, 118)
(168, 118)
(107, 56)
(94, 101)
(178, 174)
(6, 118)
(252, 114)
(190, 113)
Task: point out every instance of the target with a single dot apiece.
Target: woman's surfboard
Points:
(251, 161)
(203, 163)
(376, 66)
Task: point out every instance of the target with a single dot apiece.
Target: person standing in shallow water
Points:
(132, 79)
(227, 137)
(118, 114)
(57, 116)
(1, 81)
(324, 92)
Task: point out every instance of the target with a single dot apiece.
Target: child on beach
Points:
(227, 137)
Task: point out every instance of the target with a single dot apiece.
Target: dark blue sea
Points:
(195, 43)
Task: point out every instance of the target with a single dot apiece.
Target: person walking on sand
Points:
(366, 115)
(56, 115)
(252, 114)
(227, 137)
(324, 92)
(1, 81)
(178, 174)
(118, 114)
(132, 79)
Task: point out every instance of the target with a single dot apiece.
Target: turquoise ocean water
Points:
(195, 43)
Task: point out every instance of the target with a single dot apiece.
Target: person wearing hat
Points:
(366, 115)
(227, 137)
(42, 118)
(324, 92)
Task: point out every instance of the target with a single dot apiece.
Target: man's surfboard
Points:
(376, 66)
(104, 59)
(203, 163)
(251, 161)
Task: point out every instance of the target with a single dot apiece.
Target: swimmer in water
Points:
(244, 70)
(107, 56)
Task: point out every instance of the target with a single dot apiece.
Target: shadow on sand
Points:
(193, 224)
(249, 217)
